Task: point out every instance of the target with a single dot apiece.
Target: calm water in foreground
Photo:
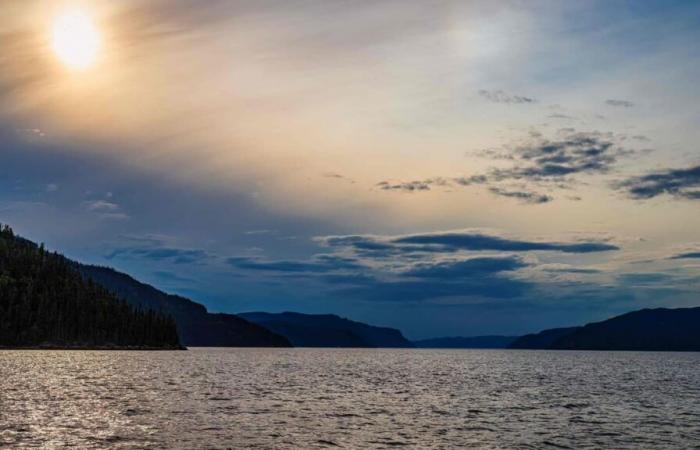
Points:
(316, 398)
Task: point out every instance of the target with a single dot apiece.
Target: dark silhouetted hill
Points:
(46, 303)
(467, 342)
(328, 330)
(648, 329)
(542, 340)
(658, 329)
(197, 327)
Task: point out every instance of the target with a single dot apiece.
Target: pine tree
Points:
(44, 301)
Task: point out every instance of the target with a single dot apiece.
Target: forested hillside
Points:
(327, 330)
(197, 326)
(45, 302)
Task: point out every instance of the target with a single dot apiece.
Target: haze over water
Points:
(349, 398)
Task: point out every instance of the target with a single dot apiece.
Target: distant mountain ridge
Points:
(197, 326)
(328, 330)
(658, 329)
(484, 342)
(542, 340)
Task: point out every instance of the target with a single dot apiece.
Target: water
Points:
(360, 399)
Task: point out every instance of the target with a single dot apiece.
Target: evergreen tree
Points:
(44, 301)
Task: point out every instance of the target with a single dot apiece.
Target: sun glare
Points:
(75, 39)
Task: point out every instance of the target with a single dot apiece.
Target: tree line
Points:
(44, 301)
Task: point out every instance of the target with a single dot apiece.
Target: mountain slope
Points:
(543, 339)
(197, 327)
(327, 330)
(648, 329)
(467, 342)
(44, 302)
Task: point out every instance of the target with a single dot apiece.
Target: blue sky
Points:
(445, 167)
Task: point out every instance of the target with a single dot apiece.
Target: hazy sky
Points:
(445, 167)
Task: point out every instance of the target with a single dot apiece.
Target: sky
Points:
(443, 167)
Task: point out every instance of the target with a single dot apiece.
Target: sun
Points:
(75, 39)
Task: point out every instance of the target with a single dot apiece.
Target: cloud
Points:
(457, 241)
(416, 268)
(560, 116)
(156, 248)
(552, 163)
(640, 137)
(259, 232)
(101, 206)
(687, 255)
(680, 183)
(421, 290)
(544, 160)
(524, 196)
(428, 183)
(481, 242)
(644, 278)
(573, 270)
(452, 270)
(338, 176)
(321, 264)
(480, 277)
(619, 103)
(174, 255)
(503, 97)
(468, 181)
(105, 210)
(358, 242)
(277, 266)
(409, 186)
(173, 277)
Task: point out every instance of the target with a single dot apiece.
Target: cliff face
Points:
(44, 302)
(197, 327)
(328, 330)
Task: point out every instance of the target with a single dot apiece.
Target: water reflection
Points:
(321, 398)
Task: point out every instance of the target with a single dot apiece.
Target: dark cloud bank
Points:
(419, 267)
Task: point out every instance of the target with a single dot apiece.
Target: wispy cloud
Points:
(578, 153)
(458, 241)
(524, 196)
(101, 206)
(466, 268)
(157, 248)
(550, 163)
(338, 176)
(474, 241)
(428, 183)
(687, 255)
(174, 255)
(680, 183)
(619, 103)
(408, 186)
(499, 96)
(105, 209)
(320, 264)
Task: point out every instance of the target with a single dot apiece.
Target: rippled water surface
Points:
(318, 398)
